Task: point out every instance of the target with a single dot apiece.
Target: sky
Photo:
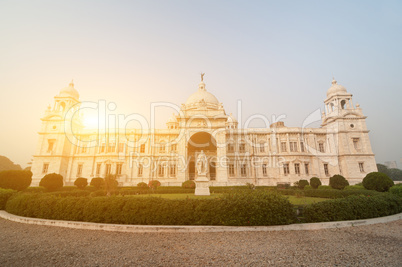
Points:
(276, 57)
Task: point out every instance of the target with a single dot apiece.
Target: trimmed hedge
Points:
(15, 179)
(353, 208)
(338, 182)
(81, 182)
(52, 182)
(396, 190)
(255, 207)
(5, 194)
(377, 181)
(315, 182)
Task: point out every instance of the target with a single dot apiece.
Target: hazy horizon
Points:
(278, 58)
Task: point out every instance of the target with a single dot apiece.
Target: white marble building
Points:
(262, 156)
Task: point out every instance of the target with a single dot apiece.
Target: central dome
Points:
(336, 89)
(202, 95)
(69, 91)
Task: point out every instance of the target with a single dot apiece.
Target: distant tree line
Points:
(393, 173)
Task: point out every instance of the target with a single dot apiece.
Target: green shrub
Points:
(396, 190)
(97, 182)
(338, 182)
(110, 184)
(283, 185)
(353, 208)
(52, 181)
(377, 181)
(15, 179)
(308, 187)
(154, 184)
(5, 194)
(39, 189)
(188, 184)
(315, 182)
(142, 185)
(354, 187)
(335, 193)
(302, 183)
(81, 183)
(252, 207)
(324, 187)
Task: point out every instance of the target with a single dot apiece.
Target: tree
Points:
(393, 173)
(97, 182)
(52, 181)
(81, 183)
(15, 179)
(315, 182)
(110, 184)
(377, 181)
(338, 182)
(302, 184)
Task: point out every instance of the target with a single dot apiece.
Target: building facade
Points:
(261, 156)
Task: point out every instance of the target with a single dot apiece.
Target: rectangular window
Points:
(111, 147)
(45, 167)
(140, 170)
(286, 168)
(108, 169)
(142, 148)
(283, 146)
(121, 147)
(243, 170)
(231, 170)
(79, 170)
(174, 147)
(98, 168)
(242, 148)
(356, 144)
(161, 170)
(230, 147)
(293, 146)
(361, 166)
(326, 169)
(264, 169)
(118, 168)
(297, 168)
(321, 147)
(262, 147)
(50, 145)
(162, 148)
(172, 170)
(84, 148)
(102, 148)
(306, 169)
(302, 146)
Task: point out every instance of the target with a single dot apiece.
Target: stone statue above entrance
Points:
(202, 163)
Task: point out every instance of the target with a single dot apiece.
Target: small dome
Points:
(69, 91)
(172, 119)
(202, 95)
(231, 119)
(336, 88)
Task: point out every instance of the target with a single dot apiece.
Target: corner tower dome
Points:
(336, 89)
(69, 91)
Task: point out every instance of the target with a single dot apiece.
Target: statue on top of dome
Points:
(202, 76)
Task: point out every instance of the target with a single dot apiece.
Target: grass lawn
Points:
(293, 199)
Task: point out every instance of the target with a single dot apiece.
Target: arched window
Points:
(343, 103)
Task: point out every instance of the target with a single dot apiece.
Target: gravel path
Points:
(33, 245)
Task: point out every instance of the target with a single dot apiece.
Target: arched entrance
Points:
(205, 142)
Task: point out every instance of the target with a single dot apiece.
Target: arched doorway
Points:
(205, 142)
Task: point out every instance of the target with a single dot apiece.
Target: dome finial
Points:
(333, 80)
(71, 83)
(202, 76)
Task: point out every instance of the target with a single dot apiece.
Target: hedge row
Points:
(353, 208)
(328, 193)
(5, 194)
(238, 208)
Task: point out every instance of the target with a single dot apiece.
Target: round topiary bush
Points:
(81, 183)
(153, 184)
(52, 181)
(315, 182)
(142, 185)
(188, 184)
(15, 179)
(302, 183)
(338, 182)
(377, 181)
(97, 182)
